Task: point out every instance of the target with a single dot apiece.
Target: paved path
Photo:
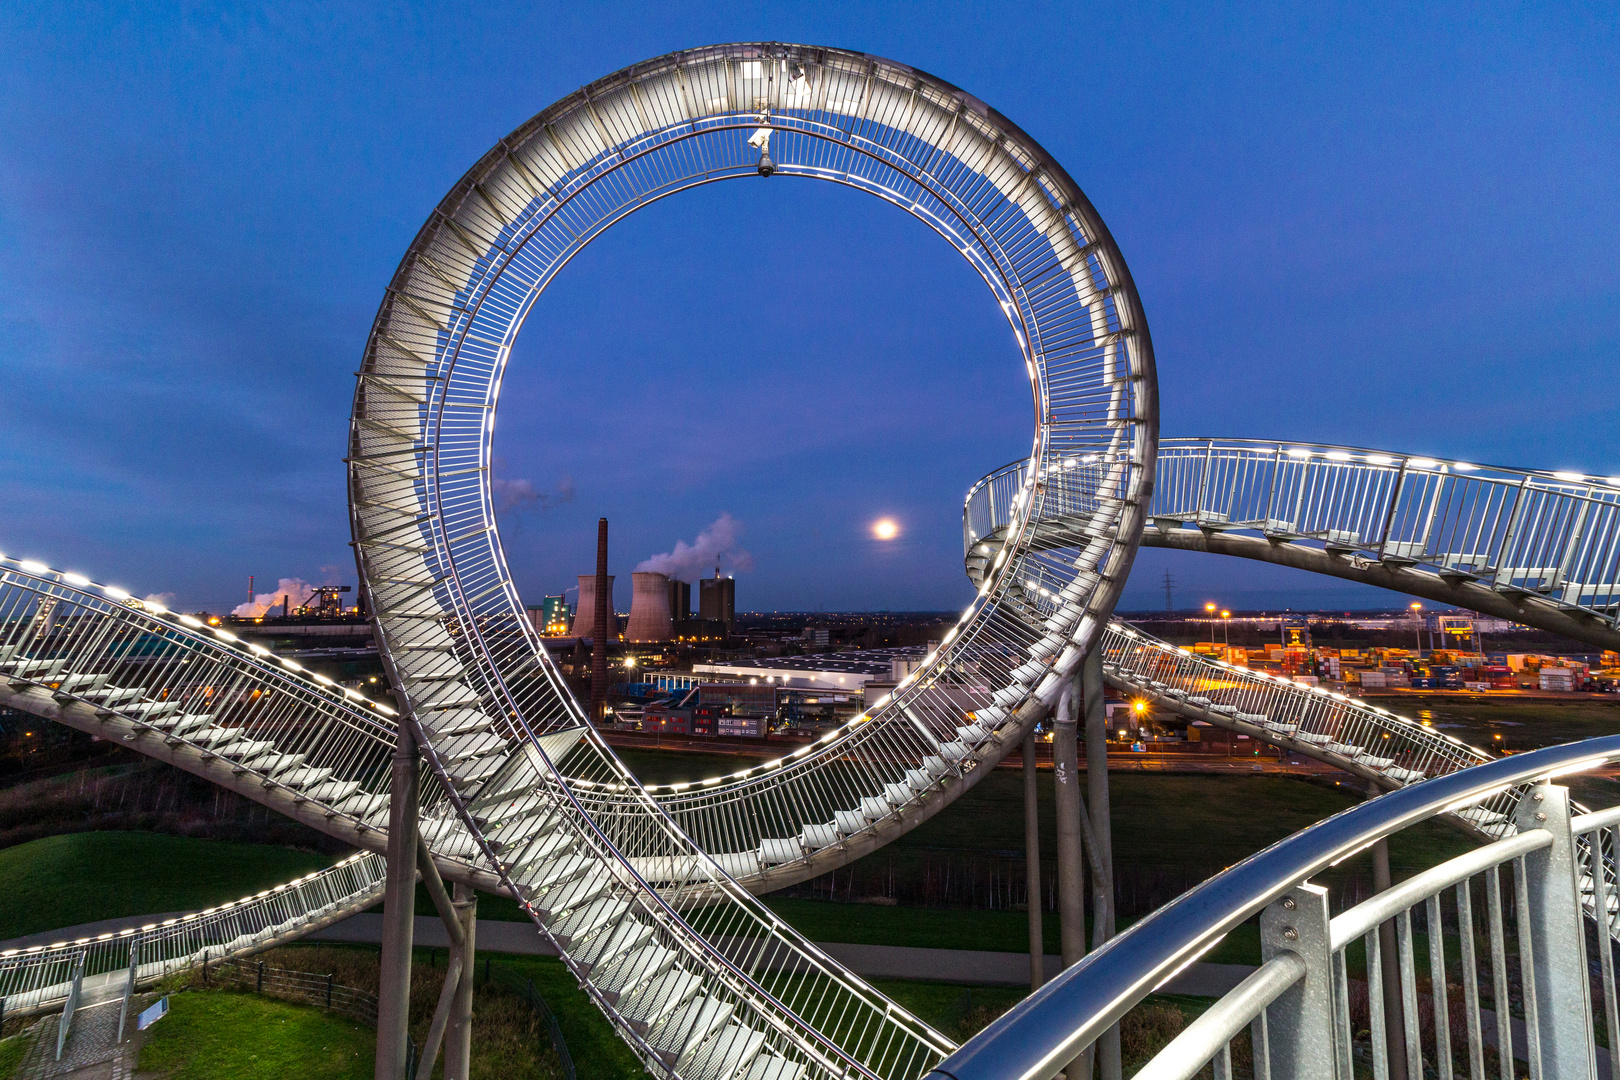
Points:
(869, 961)
(87, 930)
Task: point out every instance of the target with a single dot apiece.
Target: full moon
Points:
(885, 529)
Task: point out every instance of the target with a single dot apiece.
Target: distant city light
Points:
(885, 529)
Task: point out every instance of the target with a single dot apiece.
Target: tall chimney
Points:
(604, 605)
(250, 588)
(650, 618)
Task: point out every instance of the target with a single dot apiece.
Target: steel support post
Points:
(458, 1041)
(1558, 938)
(1299, 1023)
(1109, 1065)
(1389, 963)
(599, 633)
(1071, 856)
(1032, 864)
(399, 909)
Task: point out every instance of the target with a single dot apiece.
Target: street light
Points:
(1417, 626)
(1209, 610)
(1226, 628)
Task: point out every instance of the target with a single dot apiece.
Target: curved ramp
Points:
(1540, 548)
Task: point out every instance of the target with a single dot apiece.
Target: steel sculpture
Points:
(647, 891)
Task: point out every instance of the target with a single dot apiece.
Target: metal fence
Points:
(1490, 962)
(306, 986)
(523, 987)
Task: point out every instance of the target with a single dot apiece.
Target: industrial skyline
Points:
(1341, 257)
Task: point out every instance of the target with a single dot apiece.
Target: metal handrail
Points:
(1379, 909)
(1216, 1026)
(1035, 1039)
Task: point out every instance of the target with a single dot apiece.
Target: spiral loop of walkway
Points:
(636, 894)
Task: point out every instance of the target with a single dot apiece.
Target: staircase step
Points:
(688, 1026)
(544, 875)
(773, 1067)
(331, 792)
(723, 1055)
(594, 917)
(301, 777)
(570, 895)
(612, 944)
(634, 969)
(660, 996)
(245, 750)
(215, 737)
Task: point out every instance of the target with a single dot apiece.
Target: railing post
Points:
(1558, 936)
(394, 1050)
(1103, 891)
(129, 988)
(1032, 865)
(1070, 851)
(1300, 1022)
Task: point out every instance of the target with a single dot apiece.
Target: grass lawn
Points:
(598, 1053)
(11, 1053)
(239, 1036)
(1523, 722)
(62, 881)
(1184, 821)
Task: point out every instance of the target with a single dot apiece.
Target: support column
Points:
(1071, 875)
(1109, 1063)
(1032, 864)
(458, 1040)
(604, 619)
(1389, 963)
(399, 908)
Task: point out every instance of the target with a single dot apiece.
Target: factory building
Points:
(551, 617)
(717, 600)
(585, 613)
(680, 604)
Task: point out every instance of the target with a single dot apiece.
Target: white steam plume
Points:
(715, 546)
(297, 591)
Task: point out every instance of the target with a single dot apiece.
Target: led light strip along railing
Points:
(95, 658)
(39, 979)
(1538, 547)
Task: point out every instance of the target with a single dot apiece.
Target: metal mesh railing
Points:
(1555, 535)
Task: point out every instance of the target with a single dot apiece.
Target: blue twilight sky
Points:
(1385, 226)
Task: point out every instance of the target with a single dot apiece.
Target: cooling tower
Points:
(649, 608)
(585, 614)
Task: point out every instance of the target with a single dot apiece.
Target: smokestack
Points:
(250, 588)
(585, 611)
(650, 618)
(604, 606)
